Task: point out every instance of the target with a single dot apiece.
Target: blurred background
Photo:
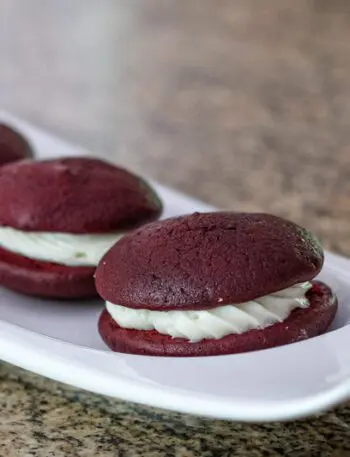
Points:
(244, 104)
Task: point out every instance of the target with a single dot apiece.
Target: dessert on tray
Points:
(213, 283)
(58, 217)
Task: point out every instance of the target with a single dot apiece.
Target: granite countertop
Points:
(244, 104)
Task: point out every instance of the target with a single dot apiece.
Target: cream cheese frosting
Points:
(216, 322)
(62, 248)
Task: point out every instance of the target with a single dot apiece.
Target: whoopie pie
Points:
(213, 283)
(58, 217)
(13, 146)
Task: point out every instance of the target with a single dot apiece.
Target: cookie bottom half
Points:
(301, 324)
(45, 279)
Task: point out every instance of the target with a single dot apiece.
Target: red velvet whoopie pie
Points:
(13, 146)
(211, 284)
(58, 217)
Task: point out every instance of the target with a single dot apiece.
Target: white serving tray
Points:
(60, 341)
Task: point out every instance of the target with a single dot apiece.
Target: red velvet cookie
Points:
(45, 279)
(74, 195)
(53, 203)
(13, 146)
(219, 262)
(206, 260)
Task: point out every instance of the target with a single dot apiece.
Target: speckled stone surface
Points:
(245, 104)
(64, 422)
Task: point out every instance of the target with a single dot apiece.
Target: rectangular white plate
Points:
(60, 341)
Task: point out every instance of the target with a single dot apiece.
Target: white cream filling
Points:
(216, 322)
(63, 248)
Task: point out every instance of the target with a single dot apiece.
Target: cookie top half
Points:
(205, 260)
(13, 146)
(74, 195)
